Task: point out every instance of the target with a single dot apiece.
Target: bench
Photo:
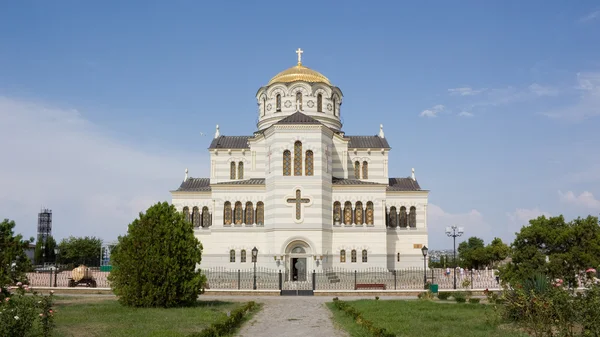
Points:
(369, 286)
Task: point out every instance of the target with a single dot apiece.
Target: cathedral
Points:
(302, 192)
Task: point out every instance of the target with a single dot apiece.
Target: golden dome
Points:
(299, 73)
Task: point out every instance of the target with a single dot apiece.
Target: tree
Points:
(13, 260)
(49, 248)
(155, 263)
(80, 250)
(38, 253)
(473, 254)
(497, 251)
(554, 247)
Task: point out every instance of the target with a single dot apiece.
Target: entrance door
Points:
(299, 269)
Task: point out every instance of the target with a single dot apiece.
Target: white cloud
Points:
(521, 216)
(587, 103)
(430, 113)
(590, 17)
(541, 90)
(94, 184)
(465, 91)
(437, 220)
(584, 200)
(465, 114)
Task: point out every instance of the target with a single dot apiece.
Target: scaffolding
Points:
(44, 224)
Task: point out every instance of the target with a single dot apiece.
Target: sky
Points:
(496, 104)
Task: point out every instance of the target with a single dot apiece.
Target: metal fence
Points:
(328, 279)
(63, 279)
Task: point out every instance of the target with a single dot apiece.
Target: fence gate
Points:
(298, 283)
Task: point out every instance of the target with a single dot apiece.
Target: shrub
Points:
(426, 295)
(376, 298)
(357, 316)
(155, 263)
(226, 327)
(474, 300)
(444, 295)
(459, 297)
(25, 315)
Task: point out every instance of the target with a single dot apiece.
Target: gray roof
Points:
(195, 185)
(298, 118)
(230, 142)
(342, 181)
(403, 184)
(367, 142)
(251, 181)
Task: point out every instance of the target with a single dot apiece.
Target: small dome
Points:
(299, 73)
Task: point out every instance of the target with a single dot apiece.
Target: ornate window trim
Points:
(364, 256)
(227, 214)
(232, 256)
(370, 213)
(232, 170)
(298, 158)
(412, 217)
(243, 256)
(353, 256)
(342, 256)
(365, 170)
(260, 213)
(240, 174)
(287, 163)
(309, 163)
(249, 213)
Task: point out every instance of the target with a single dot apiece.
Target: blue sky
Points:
(495, 104)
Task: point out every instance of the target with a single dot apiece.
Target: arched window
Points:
(240, 170)
(243, 256)
(232, 255)
(232, 170)
(249, 213)
(299, 100)
(348, 213)
(238, 213)
(309, 163)
(227, 213)
(342, 256)
(298, 158)
(365, 170)
(337, 212)
(398, 258)
(278, 103)
(353, 255)
(412, 217)
(358, 213)
(287, 163)
(369, 213)
(320, 103)
(393, 217)
(205, 217)
(357, 170)
(264, 107)
(364, 255)
(196, 216)
(403, 217)
(298, 250)
(186, 213)
(334, 111)
(260, 213)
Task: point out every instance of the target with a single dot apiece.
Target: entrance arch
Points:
(297, 257)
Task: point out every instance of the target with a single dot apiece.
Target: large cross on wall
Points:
(299, 202)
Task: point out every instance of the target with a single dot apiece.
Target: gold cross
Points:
(299, 52)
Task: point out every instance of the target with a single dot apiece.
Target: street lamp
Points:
(254, 255)
(454, 232)
(424, 250)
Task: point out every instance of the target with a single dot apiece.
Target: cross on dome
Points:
(299, 52)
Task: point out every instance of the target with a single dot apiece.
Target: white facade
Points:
(299, 118)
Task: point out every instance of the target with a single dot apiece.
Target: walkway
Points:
(292, 316)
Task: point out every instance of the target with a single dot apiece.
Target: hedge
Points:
(229, 325)
(360, 320)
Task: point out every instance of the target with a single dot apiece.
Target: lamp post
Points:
(254, 255)
(56, 251)
(454, 232)
(424, 250)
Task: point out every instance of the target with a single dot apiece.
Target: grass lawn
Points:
(89, 316)
(424, 318)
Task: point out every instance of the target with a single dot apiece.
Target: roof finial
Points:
(186, 174)
(217, 133)
(299, 52)
(413, 174)
(381, 135)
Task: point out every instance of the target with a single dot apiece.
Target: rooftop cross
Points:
(299, 52)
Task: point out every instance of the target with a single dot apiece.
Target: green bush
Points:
(459, 297)
(426, 295)
(155, 263)
(24, 314)
(444, 295)
(474, 300)
(228, 326)
(360, 320)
